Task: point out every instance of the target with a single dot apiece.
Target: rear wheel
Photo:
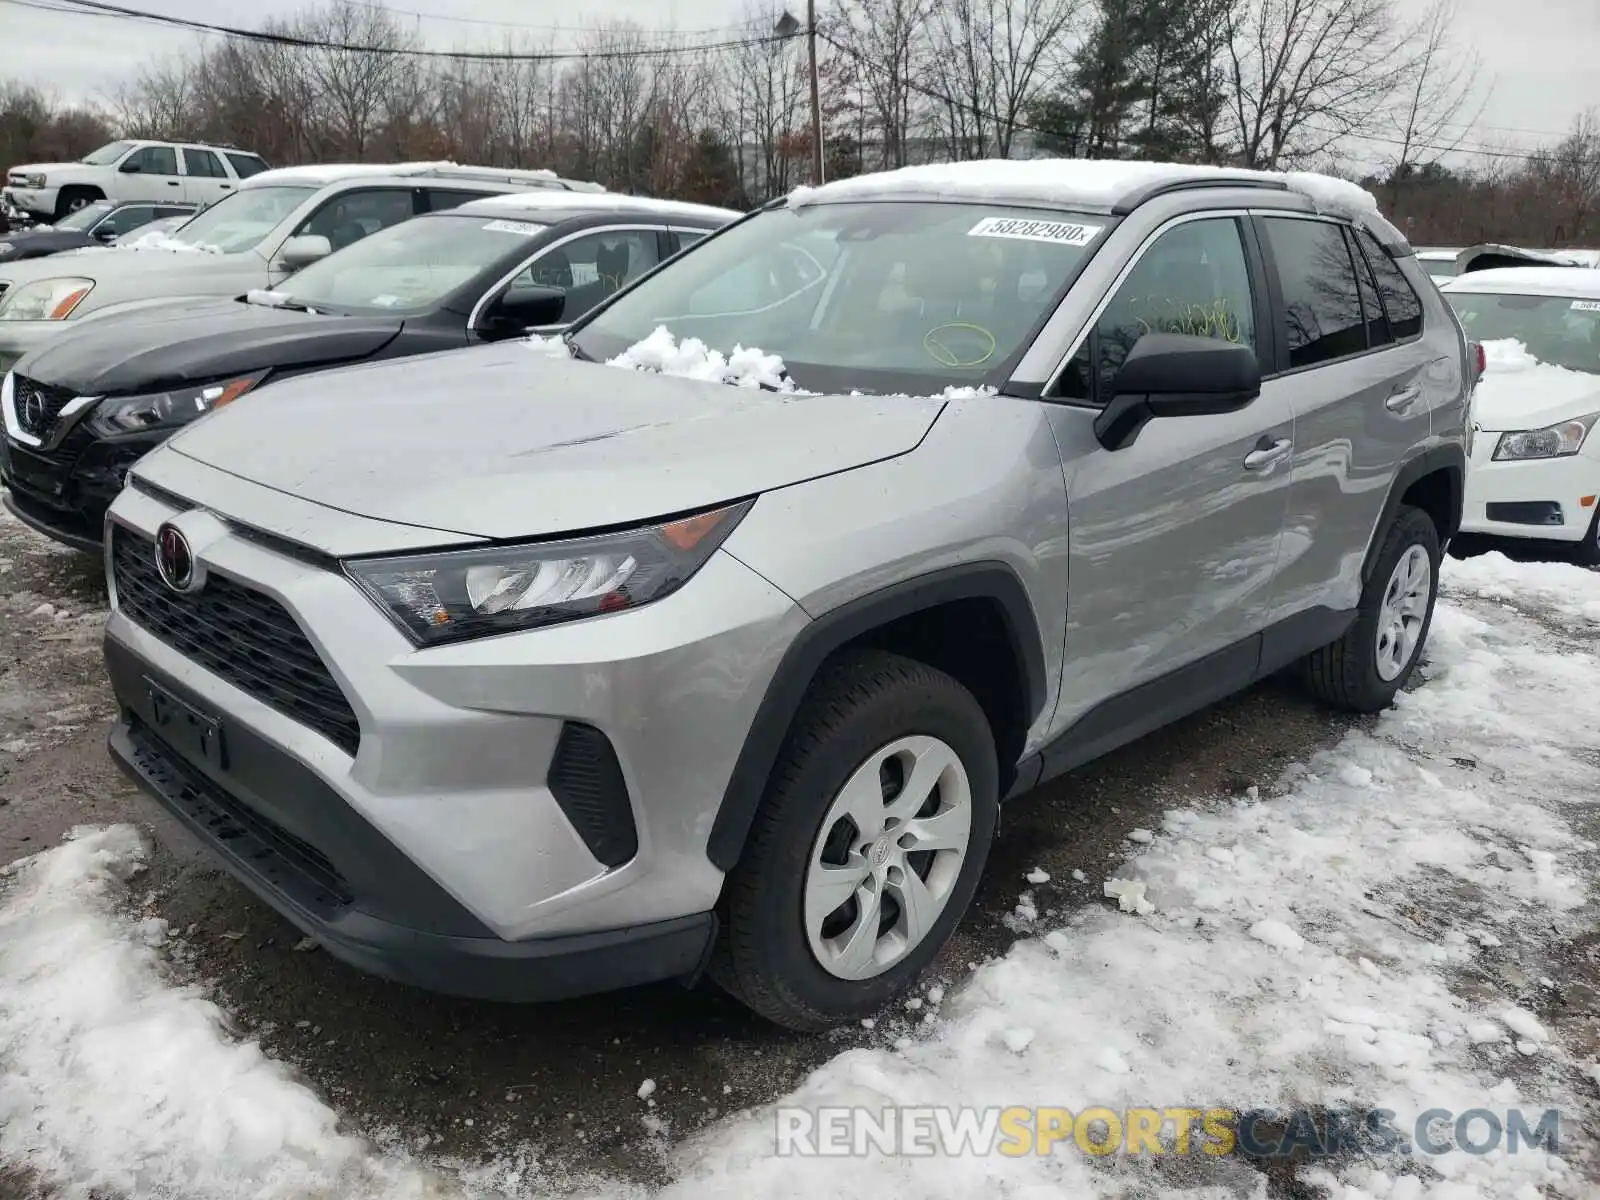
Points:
(867, 847)
(1364, 669)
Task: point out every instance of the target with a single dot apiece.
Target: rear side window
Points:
(246, 165)
(1399, 300)
(1193, 279)
(127, 219)
(1321, 299)
(203, 164)
(688, 237)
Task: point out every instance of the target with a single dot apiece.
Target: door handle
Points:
(172, 183)
(1266, 453)
(1403, 398)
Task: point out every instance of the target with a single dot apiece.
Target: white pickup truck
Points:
(131, 170)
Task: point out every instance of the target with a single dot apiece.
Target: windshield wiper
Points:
(577, 351)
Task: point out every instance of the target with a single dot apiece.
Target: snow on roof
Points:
(1581, 283)
(1435, 255)
(320, 173)
(511, 203)
(1083, 183)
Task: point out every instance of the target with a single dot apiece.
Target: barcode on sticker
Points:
(521, 227)
(1586, 305)
(1060, 233)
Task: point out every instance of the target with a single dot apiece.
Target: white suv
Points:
(131, 170)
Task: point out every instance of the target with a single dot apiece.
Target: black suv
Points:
(82, 409)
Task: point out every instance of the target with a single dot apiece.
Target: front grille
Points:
(289, 862)
(238, 633)
(38, 404)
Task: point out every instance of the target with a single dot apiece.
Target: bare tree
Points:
(1433, 96)
(987, 58)
(888, 38)
(1306, 74)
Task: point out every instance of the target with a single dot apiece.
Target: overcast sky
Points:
(1542, 57)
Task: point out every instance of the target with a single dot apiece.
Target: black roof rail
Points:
(1165, 186)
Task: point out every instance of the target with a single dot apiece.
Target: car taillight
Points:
(1479, 362)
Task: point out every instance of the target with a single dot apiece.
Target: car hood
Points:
(505, 442)
(43, 168)
(1533, 398)
(149, 349)
(167, 270)
(42, 241)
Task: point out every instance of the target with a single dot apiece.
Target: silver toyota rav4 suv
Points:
(519, 674)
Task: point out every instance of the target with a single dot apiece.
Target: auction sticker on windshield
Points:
(1586, 306)
(1060, 233)
(521, 227)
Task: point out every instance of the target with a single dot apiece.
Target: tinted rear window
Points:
(246, 165)
(1399, 300)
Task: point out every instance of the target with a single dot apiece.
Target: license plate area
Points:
(192, 733)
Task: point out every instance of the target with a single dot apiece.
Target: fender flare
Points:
(827, 633)
(1452, 461)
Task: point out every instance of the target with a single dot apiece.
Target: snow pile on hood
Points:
(550, 347)
(161, 240)
(691, 358)
(1518, 391)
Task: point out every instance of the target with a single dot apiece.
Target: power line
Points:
(99, 8)
(376, 5)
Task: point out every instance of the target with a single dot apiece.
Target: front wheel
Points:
(1364, 669)
(867, 847)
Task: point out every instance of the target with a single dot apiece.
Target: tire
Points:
(1349, 673)
(862, 704)
(71, 199)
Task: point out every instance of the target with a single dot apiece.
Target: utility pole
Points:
(787, 27)
(816, 99)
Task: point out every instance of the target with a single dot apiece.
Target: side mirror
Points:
(302, 251)
(520, 310)
(1176, 375)
(105, 235)
(129, 168)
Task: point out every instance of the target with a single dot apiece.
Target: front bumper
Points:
(63, 492)
(1541, 499)
(41, 202)
(445, 822)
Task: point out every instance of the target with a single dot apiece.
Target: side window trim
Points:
(1280, 317)
(500, 284)
(1238, 216)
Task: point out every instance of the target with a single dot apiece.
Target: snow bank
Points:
(1098, 183)
(1559, 588)
(691, 358)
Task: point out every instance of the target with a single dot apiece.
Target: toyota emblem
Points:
(174, 560)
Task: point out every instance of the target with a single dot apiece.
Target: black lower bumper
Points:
(339, 880)
(69, 532)
(64, 492)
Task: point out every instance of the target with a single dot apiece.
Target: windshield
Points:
(1555, 329)
(876, 296)
(240, 221)
(407, 269)
(85, 216)
(108, 153)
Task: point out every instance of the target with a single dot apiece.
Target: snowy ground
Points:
(1404, 920)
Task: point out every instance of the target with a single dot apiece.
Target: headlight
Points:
(1553, 441)
(438, 598)
(33, 181)
(45, 299)
(129, 414)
